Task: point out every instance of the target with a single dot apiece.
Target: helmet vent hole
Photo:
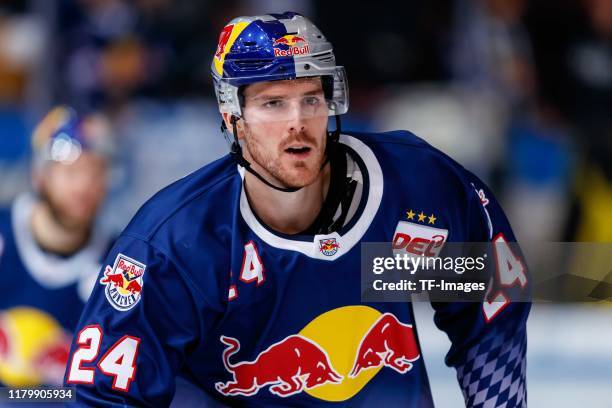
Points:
(252, 64)
(325, 57)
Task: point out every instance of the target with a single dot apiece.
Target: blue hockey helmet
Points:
(62, 136)
(275, 47)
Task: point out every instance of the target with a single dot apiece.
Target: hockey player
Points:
(244, 277)
(49, 249)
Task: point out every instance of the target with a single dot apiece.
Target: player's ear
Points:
(227, 118)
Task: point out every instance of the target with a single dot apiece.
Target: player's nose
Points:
(296, 118)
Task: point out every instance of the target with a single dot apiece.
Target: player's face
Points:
(285, 129)
(75, 191)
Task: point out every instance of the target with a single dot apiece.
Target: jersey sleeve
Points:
(488, 339)
(135, 331)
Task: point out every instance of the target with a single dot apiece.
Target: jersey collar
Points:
(328, 247)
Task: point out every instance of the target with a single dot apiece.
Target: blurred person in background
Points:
(589, 68)
(50, 248)
(572, 44)
(493, 58)
(145, 64)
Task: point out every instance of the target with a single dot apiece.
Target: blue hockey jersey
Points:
(41, 299)
(197, 285)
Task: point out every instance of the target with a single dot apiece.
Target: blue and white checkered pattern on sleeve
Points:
(494, 373)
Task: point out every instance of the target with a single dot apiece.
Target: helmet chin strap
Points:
(236, 151)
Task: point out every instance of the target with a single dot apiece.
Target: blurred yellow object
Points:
(596, 203)
(35, 349)
(595, 226)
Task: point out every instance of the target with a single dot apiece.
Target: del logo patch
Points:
(417, 239)
(123, 282)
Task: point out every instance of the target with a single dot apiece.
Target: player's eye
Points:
(312, 100)
(274, 103)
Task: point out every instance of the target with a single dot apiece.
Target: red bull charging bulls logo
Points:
(123, 282)
(289, 45)
(388, 343)
(331, 359)
(288, 367)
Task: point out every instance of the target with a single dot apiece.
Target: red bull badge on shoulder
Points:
(123, 282)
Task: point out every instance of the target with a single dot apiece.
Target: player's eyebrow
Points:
(268, 97)
(313, 92)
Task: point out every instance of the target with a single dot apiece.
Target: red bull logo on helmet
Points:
(123, 282)
(290, 45)
(331, 359)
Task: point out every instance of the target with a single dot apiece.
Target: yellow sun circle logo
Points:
(339, 332)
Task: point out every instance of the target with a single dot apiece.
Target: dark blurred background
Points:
(519, 92)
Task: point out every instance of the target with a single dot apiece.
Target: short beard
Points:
(273, 166)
